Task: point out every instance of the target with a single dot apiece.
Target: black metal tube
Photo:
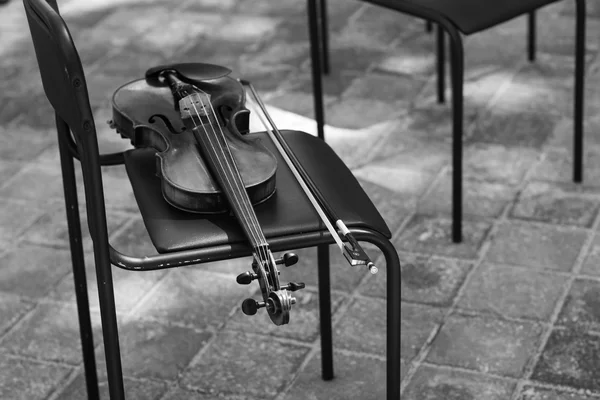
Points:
(531, 37)
(97, 218)
(441, 63)
(325, 312)
(457, 60)
(77, 259)
(324, 34)
(428, 26)
(579, 90)
(315, 55)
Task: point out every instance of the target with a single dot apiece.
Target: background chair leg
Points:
(441, 62)
(531, 33)
(316, 64)
(579, 91)
(428, 26)
(325, 312)
(77, 259)
(324, 35)
(457, 61)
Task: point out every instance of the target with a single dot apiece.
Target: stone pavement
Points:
(512, 313)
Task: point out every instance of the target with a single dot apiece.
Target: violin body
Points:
(144, 112)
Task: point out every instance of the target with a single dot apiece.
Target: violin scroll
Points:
(276, 299)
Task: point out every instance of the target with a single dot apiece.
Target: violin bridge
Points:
(196, 105)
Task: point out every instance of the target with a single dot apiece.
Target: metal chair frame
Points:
(77, 139)
(320, 65)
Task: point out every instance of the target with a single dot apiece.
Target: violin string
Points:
(261, 242)
(262, 253)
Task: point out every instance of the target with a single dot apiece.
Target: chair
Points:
(288, 220)
(456, 17)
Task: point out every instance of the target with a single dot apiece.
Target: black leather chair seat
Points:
(469, 16)
(287, 212)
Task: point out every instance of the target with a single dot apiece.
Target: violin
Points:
(194, 116)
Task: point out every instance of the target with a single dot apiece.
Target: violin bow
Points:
(351, 250)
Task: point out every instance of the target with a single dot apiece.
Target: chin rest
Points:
(287, 212)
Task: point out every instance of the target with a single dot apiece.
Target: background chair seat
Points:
(287, 212)
(469, 16)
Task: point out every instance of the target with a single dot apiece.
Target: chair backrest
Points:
(60, 66)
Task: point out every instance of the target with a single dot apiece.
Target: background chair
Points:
(288, 220)
(455, 18)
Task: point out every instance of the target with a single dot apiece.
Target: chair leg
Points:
(531, 33)
(97, 219)
(324, 35)
(325, 312)
(78, 264)
(579, 91)
(457, 61)
(394, 279)
(316, 64)
(441, 62)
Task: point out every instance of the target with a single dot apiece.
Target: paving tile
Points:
(155, 351)
(417, 322)
(485, 344)
(32, 110)
(345, 56)
(51, 227)
(33, 271)
(19, 142)
(538, 393)
(569, 358)
(380, 25)
(557, 165)
(33, 183)
(181, 394)
(304, 318)
(390, 89)
(402, 180)
(432, 235)
(491, 161)
(556, 204)
(15, 218)
(480, 198)
(178, 293)
(537, 246)
(513, 128)
(333, 85)
(503, 290)
(129, 286)
(394, 207)
(414, 55)
(404, 365)
(561, 137)
(581, 308)
(135, 390)
(51, 333)
(442, 384)
(355, 377)
(11, 309)
(365, 318)
(426, 280)
(259, 366)
(29, 380)
(351, 113)
(591, 264)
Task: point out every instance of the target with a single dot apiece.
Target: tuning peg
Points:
(288, 259)
(293, 286)
(246, 278)
(251, 306)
